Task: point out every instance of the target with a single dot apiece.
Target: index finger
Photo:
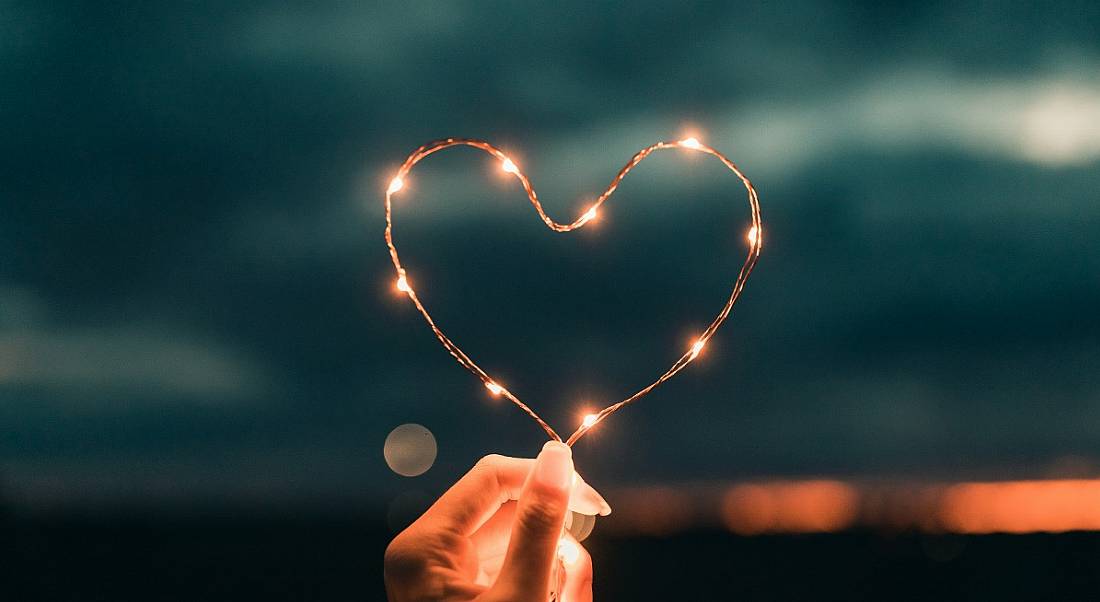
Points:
(493, 481)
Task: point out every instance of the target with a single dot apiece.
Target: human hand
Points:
(494, 535)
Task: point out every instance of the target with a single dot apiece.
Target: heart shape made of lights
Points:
(405, 286)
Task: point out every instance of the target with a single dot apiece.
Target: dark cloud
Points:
(194, 294)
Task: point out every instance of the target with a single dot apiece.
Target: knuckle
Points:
(540, 515)
(402, 560)
(485, 472)
(489, 461)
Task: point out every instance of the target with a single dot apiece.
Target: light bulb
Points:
(692, 143)
(568, 551)
(585, 422)
(697, 347)
(753, 234)
(396, 184)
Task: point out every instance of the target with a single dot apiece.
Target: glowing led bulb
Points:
(586, 422)
(692, 143)
(568, 551)
(697, 347)
(396, 184)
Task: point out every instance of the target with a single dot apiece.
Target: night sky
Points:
(196, 303)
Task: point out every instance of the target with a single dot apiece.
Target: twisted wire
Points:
(754, 239)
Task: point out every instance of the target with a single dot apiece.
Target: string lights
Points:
(403, 284)
(753, 237)
(396, 184)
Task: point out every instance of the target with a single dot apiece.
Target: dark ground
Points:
(340, 559)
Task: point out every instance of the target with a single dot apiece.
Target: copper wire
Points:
(754, 238)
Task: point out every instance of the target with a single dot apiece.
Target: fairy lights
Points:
(692, 143)
(568, 551)
(402, 284)
(697, 347)
(753, 234)
(508, 166)
(397, 183)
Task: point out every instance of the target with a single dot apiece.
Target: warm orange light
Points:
(1022, 506)
(568, 551)
(790, 507)
(589, 214)
(692, 143)
(697, 347)
(396, 184)
(753, 234)
(656, 510)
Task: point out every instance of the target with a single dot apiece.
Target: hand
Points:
(494, 535)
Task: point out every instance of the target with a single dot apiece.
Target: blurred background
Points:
(202, 353)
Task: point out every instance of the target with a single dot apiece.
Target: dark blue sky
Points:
(195, 297)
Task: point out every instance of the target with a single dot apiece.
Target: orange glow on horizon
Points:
(654, 510)
(828, 505)
(1050, 506)
(790, 507)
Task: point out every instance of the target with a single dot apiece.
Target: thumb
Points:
(540, 515)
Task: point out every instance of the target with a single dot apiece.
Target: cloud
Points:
(21, 27)
(148, 360)
(1049, 120)
(114, 359)
(360, 35)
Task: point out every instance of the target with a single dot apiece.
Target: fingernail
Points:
(605, 509)
(554, 467)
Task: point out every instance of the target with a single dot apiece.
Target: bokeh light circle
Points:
(410, 450)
